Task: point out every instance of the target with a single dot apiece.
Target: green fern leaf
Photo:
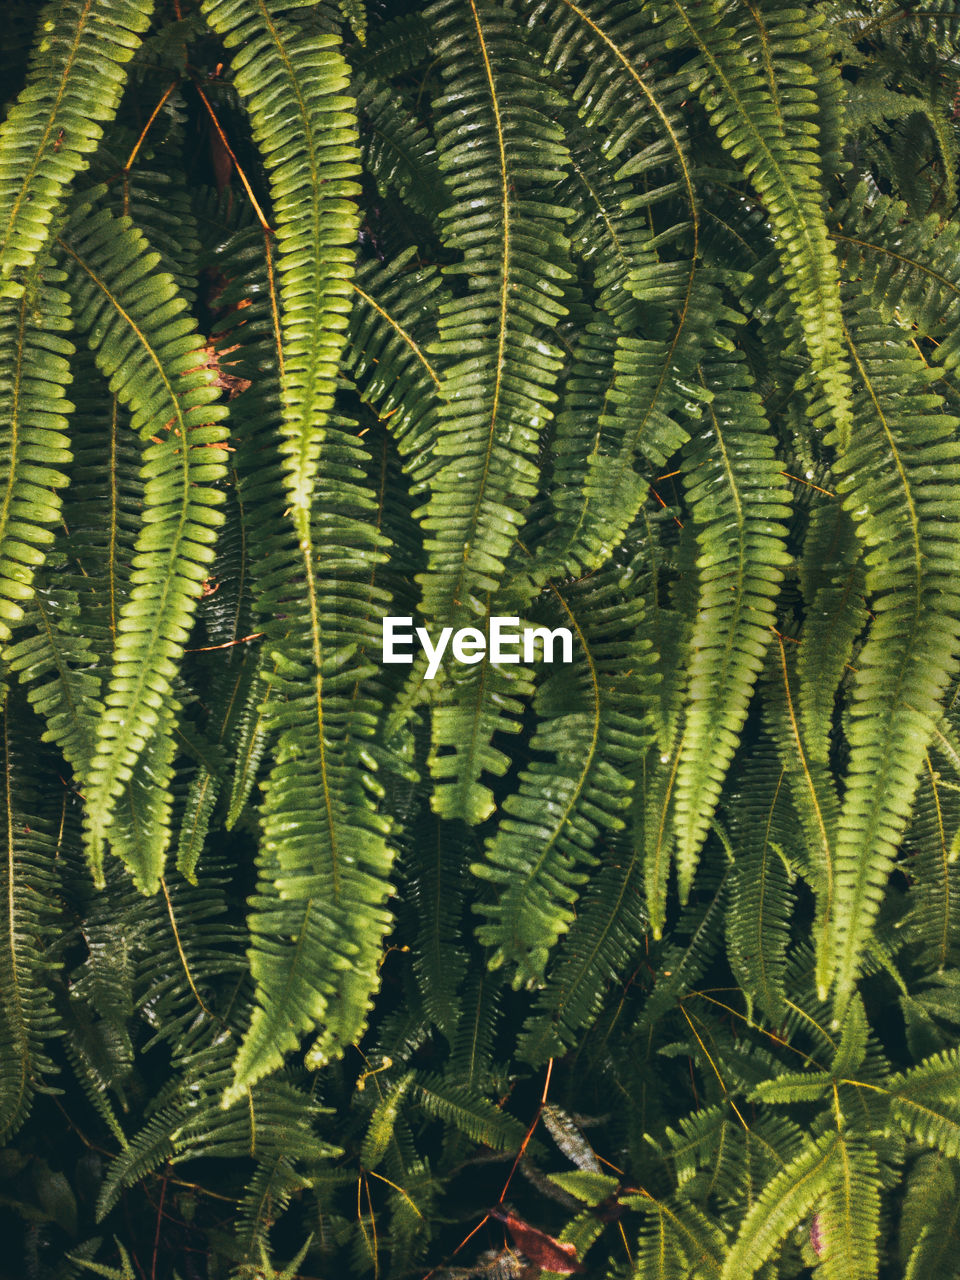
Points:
(786, 1200)
(28, 927)
(767, 121)
(292, 83)
(155, 361)
(498, 398)
(592, 721)
(73, 89)
(909, 525)
(737, 497)
(33, 373)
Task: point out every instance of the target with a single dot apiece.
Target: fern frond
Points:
(737, 498)
(924, 1100)
(765, 115)
(761, 900)
(58, 652)
(897, 482)
(292, 83)
(318, 917)
(676, 1230)
(910, 266)
(832, 578)
(154, 359)
(385, 351)
(466, 1109)
(28, 929)
(930, 1220)
(74, 87)
(592, 721)
(33, 373)
(933, 919)
(499, 163)
(786, 1200)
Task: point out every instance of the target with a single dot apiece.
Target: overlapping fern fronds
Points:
(634, 319)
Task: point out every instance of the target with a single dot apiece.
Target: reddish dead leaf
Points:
(548, 1254)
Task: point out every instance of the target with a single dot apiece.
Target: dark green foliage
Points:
(639, 319)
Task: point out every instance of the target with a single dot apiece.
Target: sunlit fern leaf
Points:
(154, 359)
(292, 83)
(676, 1230)
(499, 368)
(28, 924)
(155, 196)
(318, 916)
(787, 1200)
(74, 87)
(736, 498)
(849, 1216)
(591, 720)
(34, 370)
(624, 88)
(472, 704)
(767, 119)
(898, 481)
(924, 1101)
(356, 15)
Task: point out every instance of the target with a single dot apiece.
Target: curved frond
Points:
(899, 482)
(154, 359)
(74, 88)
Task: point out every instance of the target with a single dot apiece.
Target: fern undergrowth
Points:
(638, 319)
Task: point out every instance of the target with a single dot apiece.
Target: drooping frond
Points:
(591, 721)
(737, 500)
(768, 121)
(28, 929)
(898, 480)
(73, 89)
(761, 899)
(393, 323)
(34, 371)
(832, 578)
(499, 162)
(292, 82)
(151, 353)
(911, 268)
